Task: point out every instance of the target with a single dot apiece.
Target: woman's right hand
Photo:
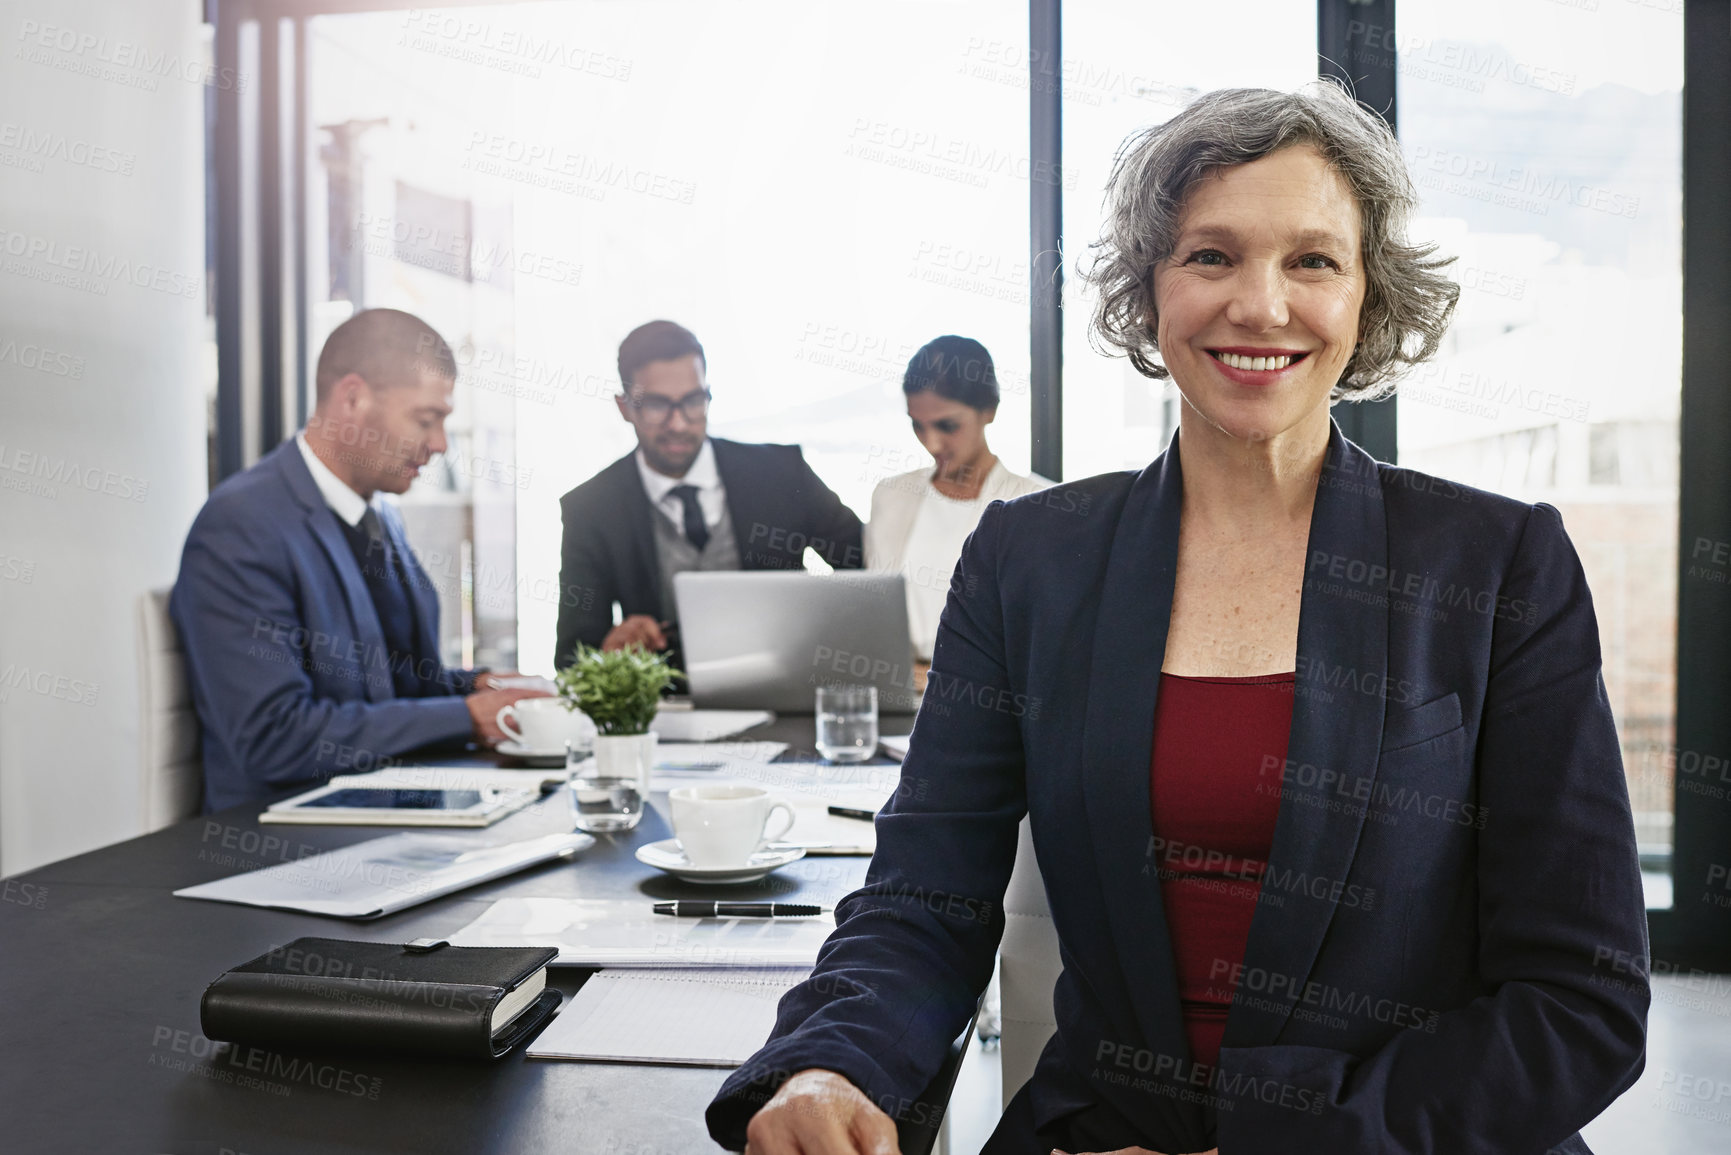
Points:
(818, 1112)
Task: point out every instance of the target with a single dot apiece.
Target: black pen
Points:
(689, 908)
(850, 812)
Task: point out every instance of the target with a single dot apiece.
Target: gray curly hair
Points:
(1407, 301)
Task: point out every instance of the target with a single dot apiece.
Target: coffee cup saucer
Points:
(667, 855)
(548, 757)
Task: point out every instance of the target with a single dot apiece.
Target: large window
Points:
(1126, 66)
(540, 179)
(1546, 140)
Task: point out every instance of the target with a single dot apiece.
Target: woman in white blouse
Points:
(920, 519)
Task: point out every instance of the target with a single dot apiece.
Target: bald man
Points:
(310, 630)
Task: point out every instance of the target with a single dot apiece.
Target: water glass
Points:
(608, 791)
(847, 722)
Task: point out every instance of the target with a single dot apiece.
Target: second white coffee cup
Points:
(724, 825)
(545, 725)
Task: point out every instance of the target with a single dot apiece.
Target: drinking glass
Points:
(608, 790)
(847, 722)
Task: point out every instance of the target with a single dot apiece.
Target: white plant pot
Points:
(625, 756)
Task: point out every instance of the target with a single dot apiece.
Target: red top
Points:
(1214, 810)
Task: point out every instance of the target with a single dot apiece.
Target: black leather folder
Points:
(425, 998)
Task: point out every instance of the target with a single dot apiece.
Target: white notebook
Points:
(678, 1017)
(606, 932)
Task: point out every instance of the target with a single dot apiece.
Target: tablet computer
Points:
(349, 804)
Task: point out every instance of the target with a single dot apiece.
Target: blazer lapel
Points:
(1336, 735)
(634, 521)
(1124, 679)
(743, 508)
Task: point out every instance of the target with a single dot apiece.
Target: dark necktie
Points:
(388, 584)
(695, 531)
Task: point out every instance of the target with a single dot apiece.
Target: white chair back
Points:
(1028, 968)
(171, 773)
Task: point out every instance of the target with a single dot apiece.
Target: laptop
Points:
(767, 639)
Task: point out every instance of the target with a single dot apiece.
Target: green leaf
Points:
(619, 689)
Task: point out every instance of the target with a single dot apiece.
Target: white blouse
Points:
(918, 532)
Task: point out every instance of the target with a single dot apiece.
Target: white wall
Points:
(102, 440)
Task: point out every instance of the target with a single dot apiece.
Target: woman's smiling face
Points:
(1258, 305)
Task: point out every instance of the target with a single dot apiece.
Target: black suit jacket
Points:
(778, 505)
(1449, 954)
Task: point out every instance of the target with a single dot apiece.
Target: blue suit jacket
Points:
(1449, 954)
(288, 663)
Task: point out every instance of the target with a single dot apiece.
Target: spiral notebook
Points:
(683, 1017)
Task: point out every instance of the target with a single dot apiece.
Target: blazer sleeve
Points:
(913, 948)
(1560, 916)
(833, 528)
(586, 585)
(236, 609)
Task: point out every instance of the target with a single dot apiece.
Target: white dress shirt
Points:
(344, 502)
(711, 496)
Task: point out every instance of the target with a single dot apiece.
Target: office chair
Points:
(171, 773)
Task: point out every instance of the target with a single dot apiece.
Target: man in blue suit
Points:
(310, 629)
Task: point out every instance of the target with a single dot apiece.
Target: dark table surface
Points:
(101, 971)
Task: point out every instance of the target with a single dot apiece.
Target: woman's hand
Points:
(818, 1112)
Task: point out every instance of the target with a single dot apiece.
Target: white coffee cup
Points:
(724, 825)
(545, 725)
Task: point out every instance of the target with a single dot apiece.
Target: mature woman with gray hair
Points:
(1319, 769)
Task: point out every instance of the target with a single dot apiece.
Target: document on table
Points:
(824, 833)
(608, 932)
(384, 875)
(675, 1016)
(895, 745)
(689, 763)
(706, 725)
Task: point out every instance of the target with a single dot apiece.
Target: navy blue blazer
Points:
(287, 659)
(1439, 963)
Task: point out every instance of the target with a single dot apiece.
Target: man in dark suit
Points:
(682, 501)
(310, 629)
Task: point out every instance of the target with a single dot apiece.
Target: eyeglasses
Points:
(691, 407)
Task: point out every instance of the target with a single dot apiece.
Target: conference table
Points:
(102, 969)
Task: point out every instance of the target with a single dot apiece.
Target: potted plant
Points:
(620, 691)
